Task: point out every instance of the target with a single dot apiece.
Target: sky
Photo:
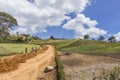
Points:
(65, 18)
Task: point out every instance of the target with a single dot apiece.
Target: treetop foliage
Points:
(7, 20)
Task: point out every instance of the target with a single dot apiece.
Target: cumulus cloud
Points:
(82, 25)
(65, 6)
(117, 36)
(34, 16)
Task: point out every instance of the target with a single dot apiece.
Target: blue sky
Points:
(105, 12)
(65, 18)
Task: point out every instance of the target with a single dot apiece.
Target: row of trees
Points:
(102, 38)
(22, 38)
(26, 38)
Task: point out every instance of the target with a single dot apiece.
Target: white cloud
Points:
(35, 17)
(117, 36)
(71, 5)
(84, 25)
(19, 29)
(63, 5)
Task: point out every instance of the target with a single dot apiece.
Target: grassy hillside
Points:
(85, 46)
(7, 49)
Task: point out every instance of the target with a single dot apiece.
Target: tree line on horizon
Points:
(102, 38)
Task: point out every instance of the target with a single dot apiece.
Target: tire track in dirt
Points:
(33, 69)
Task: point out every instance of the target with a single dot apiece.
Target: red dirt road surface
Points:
(33, 68)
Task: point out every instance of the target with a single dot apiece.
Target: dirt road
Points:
(85, 67)
(33, 68)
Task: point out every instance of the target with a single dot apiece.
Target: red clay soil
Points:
(11, 63)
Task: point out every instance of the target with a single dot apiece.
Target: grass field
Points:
(58, 43)
(73, 45)
(8, 49)
(85, 46)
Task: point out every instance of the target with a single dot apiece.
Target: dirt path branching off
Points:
(28, 66)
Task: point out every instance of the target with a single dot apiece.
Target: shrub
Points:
(113, 74)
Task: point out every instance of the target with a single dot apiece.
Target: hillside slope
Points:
(85, 46)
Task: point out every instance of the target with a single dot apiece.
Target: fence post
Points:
(32, 49)
(25, 50)
(35, 49)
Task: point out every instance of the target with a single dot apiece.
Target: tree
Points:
(36, 38)
(51, 37)
(112, 39)
(101, 38)
(86, 36)
(24, 38)
(6, 22)
(17, 34)
(92, 39)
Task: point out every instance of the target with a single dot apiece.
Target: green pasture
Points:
(8, 49)
(85, 46)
